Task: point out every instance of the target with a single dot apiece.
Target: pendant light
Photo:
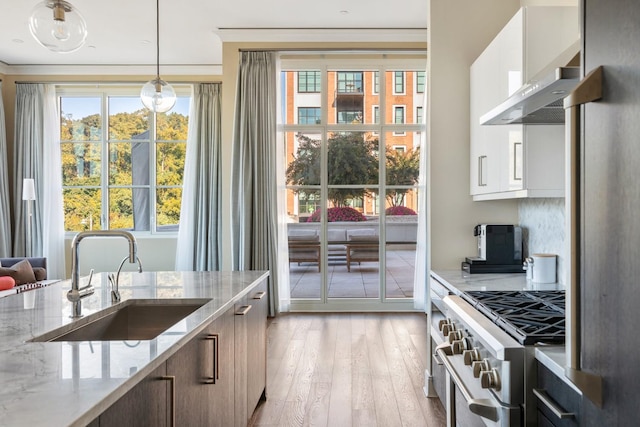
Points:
(58, 26)
(158, 95)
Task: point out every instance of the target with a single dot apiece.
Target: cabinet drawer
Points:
(558, 404)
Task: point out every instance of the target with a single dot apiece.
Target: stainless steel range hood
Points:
(540, 100)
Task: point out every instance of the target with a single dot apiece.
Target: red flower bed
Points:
(400, 210)
(338, 214)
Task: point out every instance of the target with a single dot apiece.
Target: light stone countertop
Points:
(70, 384)
(458, 281)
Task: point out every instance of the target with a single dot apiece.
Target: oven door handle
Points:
(481, 407)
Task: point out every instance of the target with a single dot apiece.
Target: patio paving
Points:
(361, 282)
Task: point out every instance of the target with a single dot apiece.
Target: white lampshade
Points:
(58, 26)
(28, 189)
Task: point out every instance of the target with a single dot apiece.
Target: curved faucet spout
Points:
(76, 293)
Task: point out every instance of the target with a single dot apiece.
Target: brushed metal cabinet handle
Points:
(259, 295)
(214, 338)
(172, 380)
(548, 401)
(243, 310)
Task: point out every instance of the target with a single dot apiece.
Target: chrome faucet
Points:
(76, 293)
(114, 280)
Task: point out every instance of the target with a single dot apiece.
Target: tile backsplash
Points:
(543, 224)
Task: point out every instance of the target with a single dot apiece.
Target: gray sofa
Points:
(36, 262)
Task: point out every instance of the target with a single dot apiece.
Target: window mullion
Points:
(105, 163)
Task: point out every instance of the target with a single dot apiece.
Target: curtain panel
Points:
(199, 235)
(37, 156)
(254, 192)
(5, 209)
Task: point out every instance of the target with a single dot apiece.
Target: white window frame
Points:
(104, 91)
(404, 116)
(404, 82)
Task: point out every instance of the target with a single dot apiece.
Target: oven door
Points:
(467, 403)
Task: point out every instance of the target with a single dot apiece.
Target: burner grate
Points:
(528, 316)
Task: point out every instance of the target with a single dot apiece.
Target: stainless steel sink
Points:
(130, 320)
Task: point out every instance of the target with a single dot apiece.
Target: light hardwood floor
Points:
(351, 369)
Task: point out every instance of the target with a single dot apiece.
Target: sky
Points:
(80, 107)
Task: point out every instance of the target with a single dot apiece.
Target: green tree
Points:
(352, 160)
(402, 168)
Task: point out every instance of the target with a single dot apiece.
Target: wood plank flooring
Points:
(347, 369)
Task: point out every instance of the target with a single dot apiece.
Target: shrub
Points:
(338, 214)
(400, 210)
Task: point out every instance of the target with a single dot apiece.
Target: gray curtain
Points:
(199, 236)
(37, 156)
(5, 213)
(254, 184)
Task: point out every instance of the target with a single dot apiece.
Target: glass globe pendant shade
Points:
(158, 95)
(58, 26)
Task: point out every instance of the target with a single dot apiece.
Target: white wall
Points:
(106, 254)
(459, 30)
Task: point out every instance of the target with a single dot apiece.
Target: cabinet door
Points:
(257, 347)
(250, 353)
(204, 377)
(147, 404)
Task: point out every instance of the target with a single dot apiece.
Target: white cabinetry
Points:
(512, 161)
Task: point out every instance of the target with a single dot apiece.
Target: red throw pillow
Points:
(6, 282)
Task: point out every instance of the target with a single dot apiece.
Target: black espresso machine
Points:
(499, 250)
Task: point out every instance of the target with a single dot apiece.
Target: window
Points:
(420, 81)
(398, 82)
(349, 82)
(308, 115)
(376, 82)
(419, 116)
(308, 81)
(400, 148)
(398, 117)
(129, 176)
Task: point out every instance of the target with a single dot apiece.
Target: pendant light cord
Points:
(158, 39)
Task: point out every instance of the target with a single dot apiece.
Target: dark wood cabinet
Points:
(203, 371)
(144, 405)
(250, 352)
(559, 405)
(216, 379)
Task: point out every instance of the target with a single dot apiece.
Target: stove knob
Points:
(458, 346)
(448, 328)
(471, 356)
(443, 322)
(454, 336)
(490, 379)
(480, 366)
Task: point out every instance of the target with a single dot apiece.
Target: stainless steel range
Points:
(483, 344)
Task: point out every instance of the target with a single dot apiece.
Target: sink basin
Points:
(130, 320)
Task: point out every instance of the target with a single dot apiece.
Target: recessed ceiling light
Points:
(344, 12)
(17, 41)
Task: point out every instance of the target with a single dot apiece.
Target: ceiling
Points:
(122, 32)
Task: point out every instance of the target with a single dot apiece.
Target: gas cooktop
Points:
(528, 316)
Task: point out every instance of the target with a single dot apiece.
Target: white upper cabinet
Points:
(515, 161)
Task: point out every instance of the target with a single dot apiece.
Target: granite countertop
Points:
(458, 281)
(69, 384)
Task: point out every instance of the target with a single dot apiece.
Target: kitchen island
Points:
(73, 383)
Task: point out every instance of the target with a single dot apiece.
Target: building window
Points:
(349, 82)
(419, 116)
(400, 148)
(122, 166)
(348, 116)
(376, 82)
(308, 81)
(309, 115)
(398, 82)
(420, 81)
(399, 117)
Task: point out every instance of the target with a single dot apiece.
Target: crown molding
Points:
(322, 34)
(111, 70)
